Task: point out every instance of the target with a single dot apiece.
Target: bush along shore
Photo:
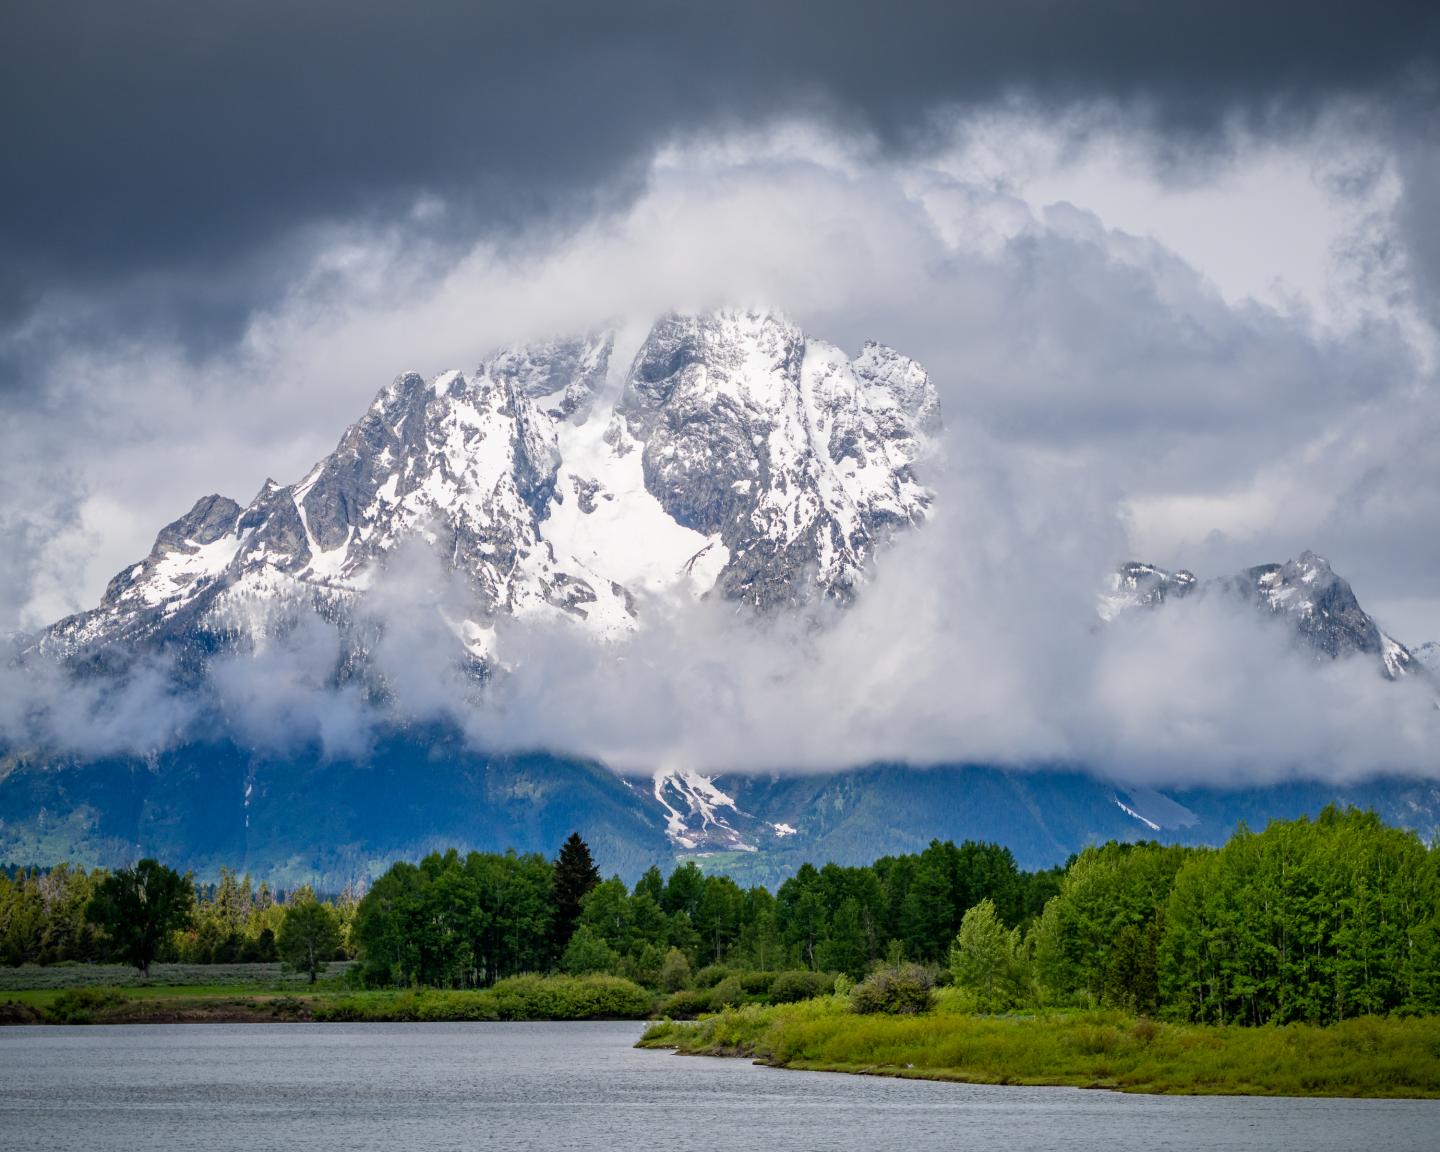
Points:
(516, 998)
(1363, 1057)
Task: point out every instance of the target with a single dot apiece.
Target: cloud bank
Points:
(1177, 286)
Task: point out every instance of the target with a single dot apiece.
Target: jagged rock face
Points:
(799, 460)
(732, 456)
(562, 375)
(1321, 605)
(1137, 585)
(1306, 592)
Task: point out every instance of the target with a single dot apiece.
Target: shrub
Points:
(570, 998)
(730, 991)
(711, 975)
(788, 987)
(82, 1005)
(757, 983)
(896, 990)
(686, 1003)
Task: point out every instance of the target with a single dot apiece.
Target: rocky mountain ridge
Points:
(732, 455)
(1306, 593)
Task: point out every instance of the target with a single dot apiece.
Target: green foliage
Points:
(43, 917)
(675, 971)
(83, 1005)
(986, 958)
(1315, 921)
(309, 937)
(139, 907)
(587, 953)
(1093, 1049)
(575, 876)
(457, 923)
(718, 987)
(1310, 921)
(233, 921)
(1104, 891)
(894, 990)
(788, 987)
(515, 998)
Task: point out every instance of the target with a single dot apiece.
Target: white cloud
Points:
(1120, 372)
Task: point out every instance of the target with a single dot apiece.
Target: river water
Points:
(519, 1087)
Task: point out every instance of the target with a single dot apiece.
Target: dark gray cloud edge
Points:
(161, 144)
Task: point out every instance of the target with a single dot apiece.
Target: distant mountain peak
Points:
(1306, 592)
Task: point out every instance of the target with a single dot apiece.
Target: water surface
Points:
(252, 1087)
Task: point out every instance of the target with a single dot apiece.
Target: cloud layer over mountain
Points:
(1174, 275)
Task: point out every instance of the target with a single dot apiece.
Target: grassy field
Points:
(34, 977)
(1370, 1056)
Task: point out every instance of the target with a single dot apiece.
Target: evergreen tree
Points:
(575, 875)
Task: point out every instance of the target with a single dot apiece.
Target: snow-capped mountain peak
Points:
(1306, 592)
(733, 456)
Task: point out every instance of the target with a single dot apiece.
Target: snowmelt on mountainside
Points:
(693, 811)
(1131, 812)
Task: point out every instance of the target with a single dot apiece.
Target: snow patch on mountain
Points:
(1136, 815)
(697, 813)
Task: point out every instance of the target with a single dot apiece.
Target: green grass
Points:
(32, 977)
(44, 997)
(1370, 1056)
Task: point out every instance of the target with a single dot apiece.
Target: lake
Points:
(518, 1087)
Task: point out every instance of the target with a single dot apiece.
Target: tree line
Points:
(148, 913)
(1309, 920)
(465, 921)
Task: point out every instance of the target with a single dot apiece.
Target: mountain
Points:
(1306, 593)
(302, 815)
(586, 483)
(732, 455)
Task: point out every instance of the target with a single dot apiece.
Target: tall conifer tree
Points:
(575, 876)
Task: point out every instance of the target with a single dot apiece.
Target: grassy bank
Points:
(519, 998)
(26, 978)
(1371, 1057)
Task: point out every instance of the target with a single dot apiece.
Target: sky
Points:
(1175, 269)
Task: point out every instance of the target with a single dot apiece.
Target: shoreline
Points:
(1378, 1058)
(533, 1001)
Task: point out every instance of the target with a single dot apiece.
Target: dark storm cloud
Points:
(179, 149)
